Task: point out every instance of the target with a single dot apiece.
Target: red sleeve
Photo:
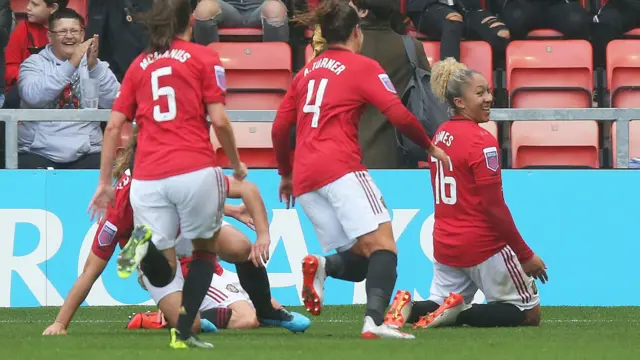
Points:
(126, 97)
(485, 164)
(15, 54)
(377, 89)
(285, 120)
(117, 226)
(214, 82)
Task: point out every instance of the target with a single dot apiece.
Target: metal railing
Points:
(621, 116)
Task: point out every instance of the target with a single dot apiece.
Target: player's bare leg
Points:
(380, 247)
(232, 246)
(194, 290)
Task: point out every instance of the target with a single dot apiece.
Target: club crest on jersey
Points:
(491, 158)
(221, 79)
(387, 83)
(107, 234)
(232, 289)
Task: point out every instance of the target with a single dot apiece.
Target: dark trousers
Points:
(33, 161)
(613, 20)
(433, 23)
(522, 16)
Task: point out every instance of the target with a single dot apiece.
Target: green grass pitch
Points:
(567, 333)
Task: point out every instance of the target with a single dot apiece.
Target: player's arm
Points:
(93, 268)
(224, 132)
(485, 164)
(281, 130)
(250, 195)
(124, 109)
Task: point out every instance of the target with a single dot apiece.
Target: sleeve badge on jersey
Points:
(107, 234)
(387, 83)
(221, 79)
(232, 289)
(491, 158)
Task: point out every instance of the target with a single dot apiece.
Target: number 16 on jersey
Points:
(443, 182)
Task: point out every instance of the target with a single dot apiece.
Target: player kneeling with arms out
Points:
(475, 240)
(117, 227)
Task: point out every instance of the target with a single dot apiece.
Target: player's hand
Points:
(286, 191)
(241, 213)
(92, 52)
(439, 154)
(260, 251)
(104, 196)
(240, 171)
(536, 269)
(57, 328)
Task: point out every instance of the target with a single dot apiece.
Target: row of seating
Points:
(539, 74)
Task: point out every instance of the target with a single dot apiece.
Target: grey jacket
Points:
(45, 82)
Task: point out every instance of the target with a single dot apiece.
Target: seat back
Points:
(634, 141)
(477, 55)
(253, 140)
(623, 73)
(550, 73)
(258, 74)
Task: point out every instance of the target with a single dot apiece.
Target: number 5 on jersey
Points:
(315, 108)
(442, 182)
(168, 91)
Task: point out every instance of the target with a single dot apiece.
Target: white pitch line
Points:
(99, 321)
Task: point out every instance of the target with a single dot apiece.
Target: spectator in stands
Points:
(566, 16)
(270, 15)
(614, 19)
(5, 29)
(122, 38)
(382, 25)
(54, 79)
(28, 38)
(451, 20)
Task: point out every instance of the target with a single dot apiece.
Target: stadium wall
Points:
(582, 223)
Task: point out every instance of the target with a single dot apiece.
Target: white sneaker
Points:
(371, 331)
(313, 276)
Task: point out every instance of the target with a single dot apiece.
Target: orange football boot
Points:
(399, 310)
(313, 277)
(445, 315)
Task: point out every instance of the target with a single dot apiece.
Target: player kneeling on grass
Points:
(117, 226)
(226, 305)
(475, 240)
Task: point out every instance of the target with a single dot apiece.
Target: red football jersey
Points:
(463, 235)
(117, 225)
(167, 93)
(186, 261)
(325, 102)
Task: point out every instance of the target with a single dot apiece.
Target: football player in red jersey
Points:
(231, 245)
(325, 102)
(169, 89)
(476, 243)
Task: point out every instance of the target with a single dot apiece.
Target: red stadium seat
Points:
(308, 53)
(476, 55)
(634, 141)
(240, 32)
(623, 73)
(258, 74)
(253, 140)
(19, 6)
(80, 6)
(552, 74)
(623, 76)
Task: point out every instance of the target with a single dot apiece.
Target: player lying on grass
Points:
(117, 226)
(476, 243)
(226, 304)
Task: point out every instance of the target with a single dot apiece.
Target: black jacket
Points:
(121, 40)
(418, 6)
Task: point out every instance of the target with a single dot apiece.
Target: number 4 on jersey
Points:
(315, 108)
(442, 182)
